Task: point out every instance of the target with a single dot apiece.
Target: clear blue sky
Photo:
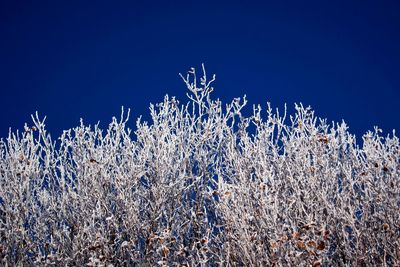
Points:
(73, 59)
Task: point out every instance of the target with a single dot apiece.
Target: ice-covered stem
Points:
(196, 187)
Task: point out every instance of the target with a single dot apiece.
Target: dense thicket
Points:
(201, 185)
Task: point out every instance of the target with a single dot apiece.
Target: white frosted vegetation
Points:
(200, 185)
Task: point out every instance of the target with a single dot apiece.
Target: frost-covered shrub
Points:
(201, 185)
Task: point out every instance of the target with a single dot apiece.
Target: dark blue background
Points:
(88, 58)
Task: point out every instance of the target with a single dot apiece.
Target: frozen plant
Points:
(201, 185)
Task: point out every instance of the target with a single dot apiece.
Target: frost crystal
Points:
(200, 185)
